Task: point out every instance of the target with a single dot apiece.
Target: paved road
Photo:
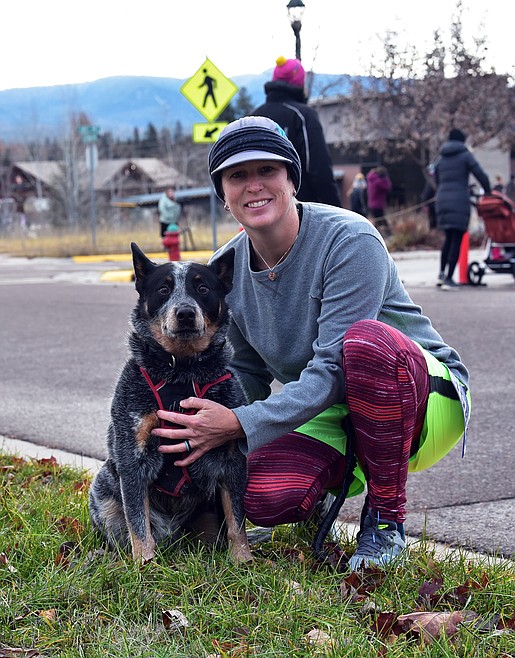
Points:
(62, 345)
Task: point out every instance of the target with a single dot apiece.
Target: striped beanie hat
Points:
(252, 138)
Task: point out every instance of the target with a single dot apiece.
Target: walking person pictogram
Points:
(210, 84)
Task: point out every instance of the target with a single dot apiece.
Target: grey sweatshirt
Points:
(291, 329)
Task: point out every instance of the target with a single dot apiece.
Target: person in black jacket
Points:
(286, 104)
(452, 172)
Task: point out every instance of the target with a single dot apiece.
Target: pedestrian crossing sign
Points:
(209, 90)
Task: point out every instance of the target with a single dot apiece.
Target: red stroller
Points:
(498, 215)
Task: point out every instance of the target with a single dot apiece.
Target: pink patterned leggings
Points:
(387, 387)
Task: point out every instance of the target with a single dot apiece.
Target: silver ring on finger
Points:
(187, 445)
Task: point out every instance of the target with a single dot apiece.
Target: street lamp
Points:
(295, 13)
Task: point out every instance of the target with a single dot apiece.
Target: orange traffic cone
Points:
(463, 260)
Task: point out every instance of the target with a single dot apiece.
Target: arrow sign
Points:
(207, 132)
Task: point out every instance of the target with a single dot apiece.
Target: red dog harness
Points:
(172, 480)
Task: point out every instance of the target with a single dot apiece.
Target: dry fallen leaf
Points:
(430, 625)
(4, 562)
(48, 615)
(384, 623)
(429, 591)
(508, 623)
(295, 587)
(68, 524)
(239, 649)
(174, 620)
(318, 637)
(51, 461)
(81, 486)
(10, 652)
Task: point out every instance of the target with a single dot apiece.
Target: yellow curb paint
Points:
(115, 258)
(127, 258)
(117, 276)
(198, 256)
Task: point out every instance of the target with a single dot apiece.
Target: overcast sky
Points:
(50, 42)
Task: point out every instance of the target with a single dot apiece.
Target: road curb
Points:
(29, 450)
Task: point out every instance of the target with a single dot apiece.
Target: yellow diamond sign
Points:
(209, 90)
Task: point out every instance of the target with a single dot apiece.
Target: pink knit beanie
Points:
(290, 71)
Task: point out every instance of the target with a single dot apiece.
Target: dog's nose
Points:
(185, 314)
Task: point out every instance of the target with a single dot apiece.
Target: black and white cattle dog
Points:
(178, 349)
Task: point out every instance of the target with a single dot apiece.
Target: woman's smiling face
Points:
(258, 191)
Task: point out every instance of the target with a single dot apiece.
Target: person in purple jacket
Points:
(379, 187)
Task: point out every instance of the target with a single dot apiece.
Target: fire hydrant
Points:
(171, 242)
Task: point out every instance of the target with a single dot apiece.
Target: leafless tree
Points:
(408, 104)
(69, 190)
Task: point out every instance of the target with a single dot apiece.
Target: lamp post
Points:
(295, 13)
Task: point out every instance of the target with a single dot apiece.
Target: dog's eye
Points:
(164, 290)
(203, 289)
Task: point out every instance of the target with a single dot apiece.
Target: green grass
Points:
(63, 594)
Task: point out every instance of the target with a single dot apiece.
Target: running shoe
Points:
(379, 543)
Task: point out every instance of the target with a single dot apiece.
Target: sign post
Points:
(210, 92)
(89, 136)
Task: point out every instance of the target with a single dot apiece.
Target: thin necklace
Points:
(271, 274)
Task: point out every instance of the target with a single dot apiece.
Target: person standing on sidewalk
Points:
(452, 172)
(366, 378)
(287, 104)
(379, 187)
(358, 195)
(169, 210)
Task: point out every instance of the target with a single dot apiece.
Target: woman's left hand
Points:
(212, 425)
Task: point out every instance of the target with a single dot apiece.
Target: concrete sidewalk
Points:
(126, 275)
(419, 267)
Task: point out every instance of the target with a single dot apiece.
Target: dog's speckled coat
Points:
(178, 335)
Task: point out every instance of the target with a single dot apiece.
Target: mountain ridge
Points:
(119, 104)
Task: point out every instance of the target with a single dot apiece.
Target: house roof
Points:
(45, 171)
(183, 196)
(106, 171)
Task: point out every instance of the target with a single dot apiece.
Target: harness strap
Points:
(332, 514)
(201, 392)
(443, 387)
(173, 479)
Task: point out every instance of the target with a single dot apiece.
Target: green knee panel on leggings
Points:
(442, 429)
(444, 422)
(327, 427)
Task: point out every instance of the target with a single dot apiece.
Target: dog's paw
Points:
(143, 552)
(145, 559)
(240, 552)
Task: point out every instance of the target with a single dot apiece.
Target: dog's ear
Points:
(223, 267)
(142, 264)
